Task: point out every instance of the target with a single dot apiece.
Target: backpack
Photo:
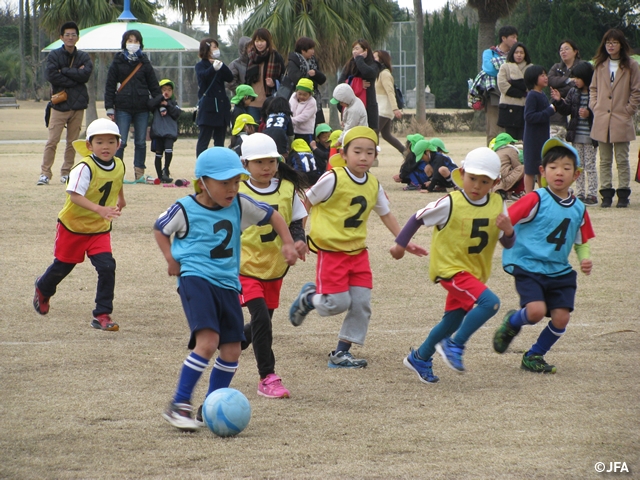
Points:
(399, 97)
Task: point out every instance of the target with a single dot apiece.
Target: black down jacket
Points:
(134, 96)
(64, 72)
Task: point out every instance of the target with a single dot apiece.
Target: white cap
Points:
(480, 161)
(258, 145)
(102, 126)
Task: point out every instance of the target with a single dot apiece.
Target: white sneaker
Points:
(43, 180)
(64, 178)
(179, 415)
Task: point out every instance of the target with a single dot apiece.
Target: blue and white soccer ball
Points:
(226, 412)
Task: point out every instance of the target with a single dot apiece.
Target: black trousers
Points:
(260, 332)
(204, 137)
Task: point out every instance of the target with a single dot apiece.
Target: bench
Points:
(8, 102)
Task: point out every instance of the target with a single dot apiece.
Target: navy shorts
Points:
(209, 306)
(556, 292)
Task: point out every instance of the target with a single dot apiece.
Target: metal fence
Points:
(401, 44)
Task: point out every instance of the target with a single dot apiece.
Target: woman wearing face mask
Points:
(214, 107)
(265, 67)
(130, 81)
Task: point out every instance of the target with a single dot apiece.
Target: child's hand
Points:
(555, 94)
(313, 145)
(586, 265)
(416, 250)
(503, 222)
(583, 112)
(289, 253)
(108, 213)
(270, 83)
(397, 251)
(302, 249)
(121, 204)
(174, 268)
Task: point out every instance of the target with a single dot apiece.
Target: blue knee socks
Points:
(547, 338)
(487, 306)
(449, 324)
(519, 319)
(192, 368)
(221, 374)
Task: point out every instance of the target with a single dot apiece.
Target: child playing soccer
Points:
(164, 127)
(547, 223)
(205, 256)
(468, 225)
(262, 268)
(94, 198)
(340, 205)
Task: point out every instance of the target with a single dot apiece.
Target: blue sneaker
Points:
(300, 307)
(421, 367)
(451, 354)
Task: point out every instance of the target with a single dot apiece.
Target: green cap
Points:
(439, 144)
(415, 138)
(321, 128)
(334, 101)
(422, 146)
(241, 92)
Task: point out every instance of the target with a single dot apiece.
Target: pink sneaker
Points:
(271, 387)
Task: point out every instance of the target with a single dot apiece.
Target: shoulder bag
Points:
(61, 96)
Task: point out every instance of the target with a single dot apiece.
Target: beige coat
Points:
(511, 71)
(613, 106)
(511, 170)
(386, 94)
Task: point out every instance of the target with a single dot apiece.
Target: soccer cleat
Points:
(300, 306)
(271, 387)
(451, 354)
(536, 364)
(422, 367)
(103, 322)
(345, 360)
(40, 302)
(504, 334)
(199, 420)
(179, 415)
(64, 178)
(43, 180)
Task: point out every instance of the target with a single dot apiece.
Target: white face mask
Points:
(133, 47)
(215, 54)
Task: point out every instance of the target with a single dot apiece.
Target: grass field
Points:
(77, 403)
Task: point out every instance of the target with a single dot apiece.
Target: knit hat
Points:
(258, 145)
(501, 140)
(241, 92)
(480, 161)
(415, 138)
(321, 128)
(305, 85)
(422, 146)
(299, 145)
(360, 132)
(333, 138)
(435, 141)
(242, 120)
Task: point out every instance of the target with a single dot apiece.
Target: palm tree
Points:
(210, 10)
(489, 11)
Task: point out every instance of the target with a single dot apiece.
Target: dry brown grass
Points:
(80, 403)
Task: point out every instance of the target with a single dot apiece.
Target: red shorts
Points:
(337, 271)
(71, 247)
(464, 290)
(253, 288)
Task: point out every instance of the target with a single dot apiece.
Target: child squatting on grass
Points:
(468, 225)
(205, 256)
(547, 223)
(94, 198)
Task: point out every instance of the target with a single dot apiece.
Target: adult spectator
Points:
(214, 107)
(361, 72)
(130, 81)
(68, 69)
(386, 98)
(492, 60)
(302, 63)
(265, 67)
(560, 78)
(238, 66)
(614, 97)
(513, 91)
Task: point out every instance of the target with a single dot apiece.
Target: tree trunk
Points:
(214, 15)
(421, 115)
(486, 37)
(21, 40)
(92, 87)
(334, 114)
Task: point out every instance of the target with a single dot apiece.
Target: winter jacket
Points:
(367, 70)
(134, 96)
(386, 94)
(511, 83)
(511, 170)
(613, 106)
(215, 109)
(303, 114)
(62, 74)
(164, 126)
(295, 74)
(355, 114)
(238, 66)
(560, 79)
(570, 105)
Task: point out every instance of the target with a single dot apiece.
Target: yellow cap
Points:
(333, 138)
(305, 84)
(337, 161)
(242, 120)
(299, 145)
(360, 132)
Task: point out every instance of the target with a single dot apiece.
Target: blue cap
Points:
(219, 163)
(556, 142)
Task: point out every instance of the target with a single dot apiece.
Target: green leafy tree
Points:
(489, 11)
(210, 11)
